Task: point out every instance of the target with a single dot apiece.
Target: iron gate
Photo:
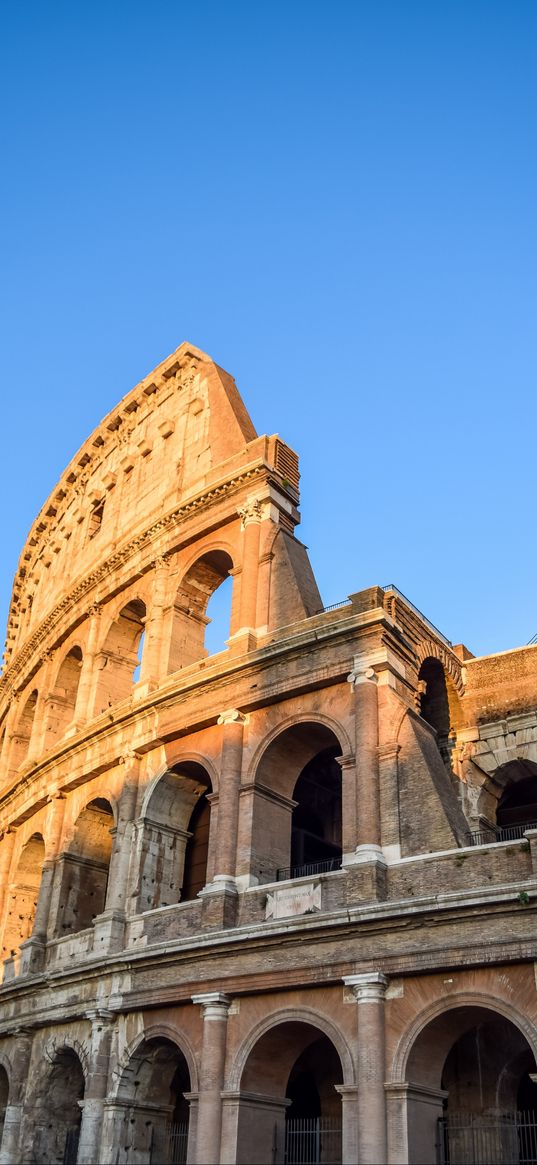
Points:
(169, 1144)
(466, 1138)
(311, 1140)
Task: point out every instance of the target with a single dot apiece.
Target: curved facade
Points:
(267, 902)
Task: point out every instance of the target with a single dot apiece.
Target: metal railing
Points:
(466, 1138)
(308, 869)
(495, 833)
(311, 1140)
(169, 1144)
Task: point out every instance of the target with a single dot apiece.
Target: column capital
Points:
(362, 674)
(95, 610)
(251, 512)
(232, 716)
(214, 1004)
(347, 761)
(369, 987)
(100, 1015)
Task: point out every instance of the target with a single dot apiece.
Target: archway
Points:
(62, 700)
(23, 732)
(175, 842)
(289, 1107)
(57, 1110)
(190, 617)
(119, 661)
(4, 1098)
(439, 703)
(22, 896)
(296, 828)
(469, 1072)
(82, 870)
(151, 1121)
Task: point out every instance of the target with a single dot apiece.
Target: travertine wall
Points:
(165, 966)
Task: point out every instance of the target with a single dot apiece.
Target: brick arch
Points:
(157, 1031)
(203, 547)
(429, 649)
(174, 762)
(113, 608)
(313, 717)
(304, 1015)
(476, 999)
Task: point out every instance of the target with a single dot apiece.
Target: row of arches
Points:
(295, 831)
(198, 624)
(173, 847)
(469, 1090)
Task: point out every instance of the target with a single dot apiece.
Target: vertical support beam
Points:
(215, 1008)
(389, 800)
(369, 990)
(232, 723)
(153, 667)
(124, 834)
(38, 735)
(92, 1106)
(20, 1061)
(250, 515)
(363, 681)
(33, 950)
(85, 697)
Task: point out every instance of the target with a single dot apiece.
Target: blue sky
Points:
(335, 201)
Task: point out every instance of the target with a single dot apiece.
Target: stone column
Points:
(215, 1007)
(232, 723)
(152, 667)
(389, 800)
(348, 803)
(85, 697)
(250, 515)
(38, 735)
(10, 1150)
(124, 834)
(92, 1106)
(369, 990)
(364, 684)
(33, 950)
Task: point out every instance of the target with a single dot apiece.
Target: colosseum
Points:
(267, 903)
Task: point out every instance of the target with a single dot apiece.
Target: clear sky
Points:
(337, 201)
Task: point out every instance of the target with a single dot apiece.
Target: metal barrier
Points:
(308, 869)
(311, 1140)
(493, 833)
(466, 1138)
(169, 1144)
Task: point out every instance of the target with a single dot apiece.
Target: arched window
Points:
(23, 732)
(4, 1098)
(62, 701)
(297, 830)
(57, 1112)
(83, 869)
(120, 659)
(152, 1094)
(192, 617)
(438, 704)
(176, 837)
(22, 896)
(517, 806)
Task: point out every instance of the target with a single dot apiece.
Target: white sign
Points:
(286, 903)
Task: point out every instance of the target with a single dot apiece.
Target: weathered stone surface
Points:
(241, 888)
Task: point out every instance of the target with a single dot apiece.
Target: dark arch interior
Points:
(197, 848)
(4, 1095)
(155, 1087)
(85, 868)
(434, 702)
(58, 1112)
(518, 803)
(316, 822)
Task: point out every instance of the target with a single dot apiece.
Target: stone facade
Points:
(274, 903)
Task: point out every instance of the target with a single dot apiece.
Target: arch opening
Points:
(57, 1111)
(83, 868)
(23, 733)
(4, 1098)
(204, 595)
(176, 834)
(296, 828)
(156, 1085)
(290, 1109)
(469, 1074)
(437, 704)
(61, 703)
(120, 658)
(23, 894)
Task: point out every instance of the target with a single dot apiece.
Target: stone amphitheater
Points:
(268, 903)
